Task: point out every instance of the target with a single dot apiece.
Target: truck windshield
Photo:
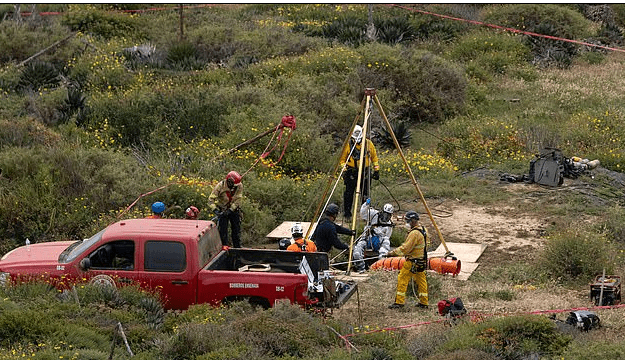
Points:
(77, 248)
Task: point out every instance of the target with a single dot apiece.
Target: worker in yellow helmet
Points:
(414, 249)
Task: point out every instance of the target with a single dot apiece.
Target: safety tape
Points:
(478, 316)
(513, 30)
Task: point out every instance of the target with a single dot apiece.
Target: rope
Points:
(513, 30)
(288, 121)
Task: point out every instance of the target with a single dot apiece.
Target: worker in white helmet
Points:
(350, 159)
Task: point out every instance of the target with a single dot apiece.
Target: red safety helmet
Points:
(235, 176)
(192, 212)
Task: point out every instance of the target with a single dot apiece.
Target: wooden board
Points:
(284, 230)
(464, 252)
(468, 254)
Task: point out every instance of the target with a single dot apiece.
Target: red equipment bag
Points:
(452, 307)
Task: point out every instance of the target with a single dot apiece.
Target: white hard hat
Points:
(357, 133)
(388, 208)
(297, 229)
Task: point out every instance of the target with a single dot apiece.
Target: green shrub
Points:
(183, 56)
(509, 337)
(599, 348)
(188, 112)
(37, 75)
(546, 19)
(60, 191)
(434, 29)
(26, 133)
(495, 53)
(429, 88)
(20, 41)
(394, 30)
(567, 22)
(88, 19)
(575, 253)
(18, 324)
(384, 137)
(348, 30)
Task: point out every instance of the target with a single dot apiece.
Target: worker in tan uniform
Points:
(225, 202)
(414, 249)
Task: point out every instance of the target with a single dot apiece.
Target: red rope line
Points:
(513, 30)
(478, 316)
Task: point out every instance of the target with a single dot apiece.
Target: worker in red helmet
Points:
(225, 202)
(192, 213)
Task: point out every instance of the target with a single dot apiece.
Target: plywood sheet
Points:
(464, 252)
(284, 230)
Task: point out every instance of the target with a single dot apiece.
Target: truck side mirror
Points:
(85, 264)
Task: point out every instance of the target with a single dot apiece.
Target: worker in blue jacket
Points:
(326, 233)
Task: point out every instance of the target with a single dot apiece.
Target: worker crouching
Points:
(414, 249)
(298, 243)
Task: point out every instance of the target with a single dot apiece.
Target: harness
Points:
(420, 264)
(302, 246)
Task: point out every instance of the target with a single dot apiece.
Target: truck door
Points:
(165, 267)
(113, 262)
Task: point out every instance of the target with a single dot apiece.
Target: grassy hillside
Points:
(123, 102)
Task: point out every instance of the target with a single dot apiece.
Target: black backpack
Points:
(583, 320)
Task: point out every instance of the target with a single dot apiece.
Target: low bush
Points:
(88, 19)
(37, 75)
(567, 22)
(547, 19)
(509, 337)
(429, 88)
(577, 254)
(495, 53)
(78, 184)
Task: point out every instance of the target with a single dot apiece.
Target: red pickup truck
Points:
(185, 260)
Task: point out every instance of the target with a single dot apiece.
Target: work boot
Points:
(422, 306)
(396, 306)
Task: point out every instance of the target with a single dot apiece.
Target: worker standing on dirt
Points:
(350, 176)
(226, 204)
(414, 249)
(300, 244)
(326, 233)
(377, 233)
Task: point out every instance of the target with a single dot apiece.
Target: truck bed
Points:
(276, 261)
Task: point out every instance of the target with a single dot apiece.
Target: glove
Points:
(368, 201)
(217, 212)
(353, 232)
(376, 175)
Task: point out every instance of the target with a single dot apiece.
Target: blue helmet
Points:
(158, 207)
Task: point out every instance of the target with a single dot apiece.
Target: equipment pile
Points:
(550, 167)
